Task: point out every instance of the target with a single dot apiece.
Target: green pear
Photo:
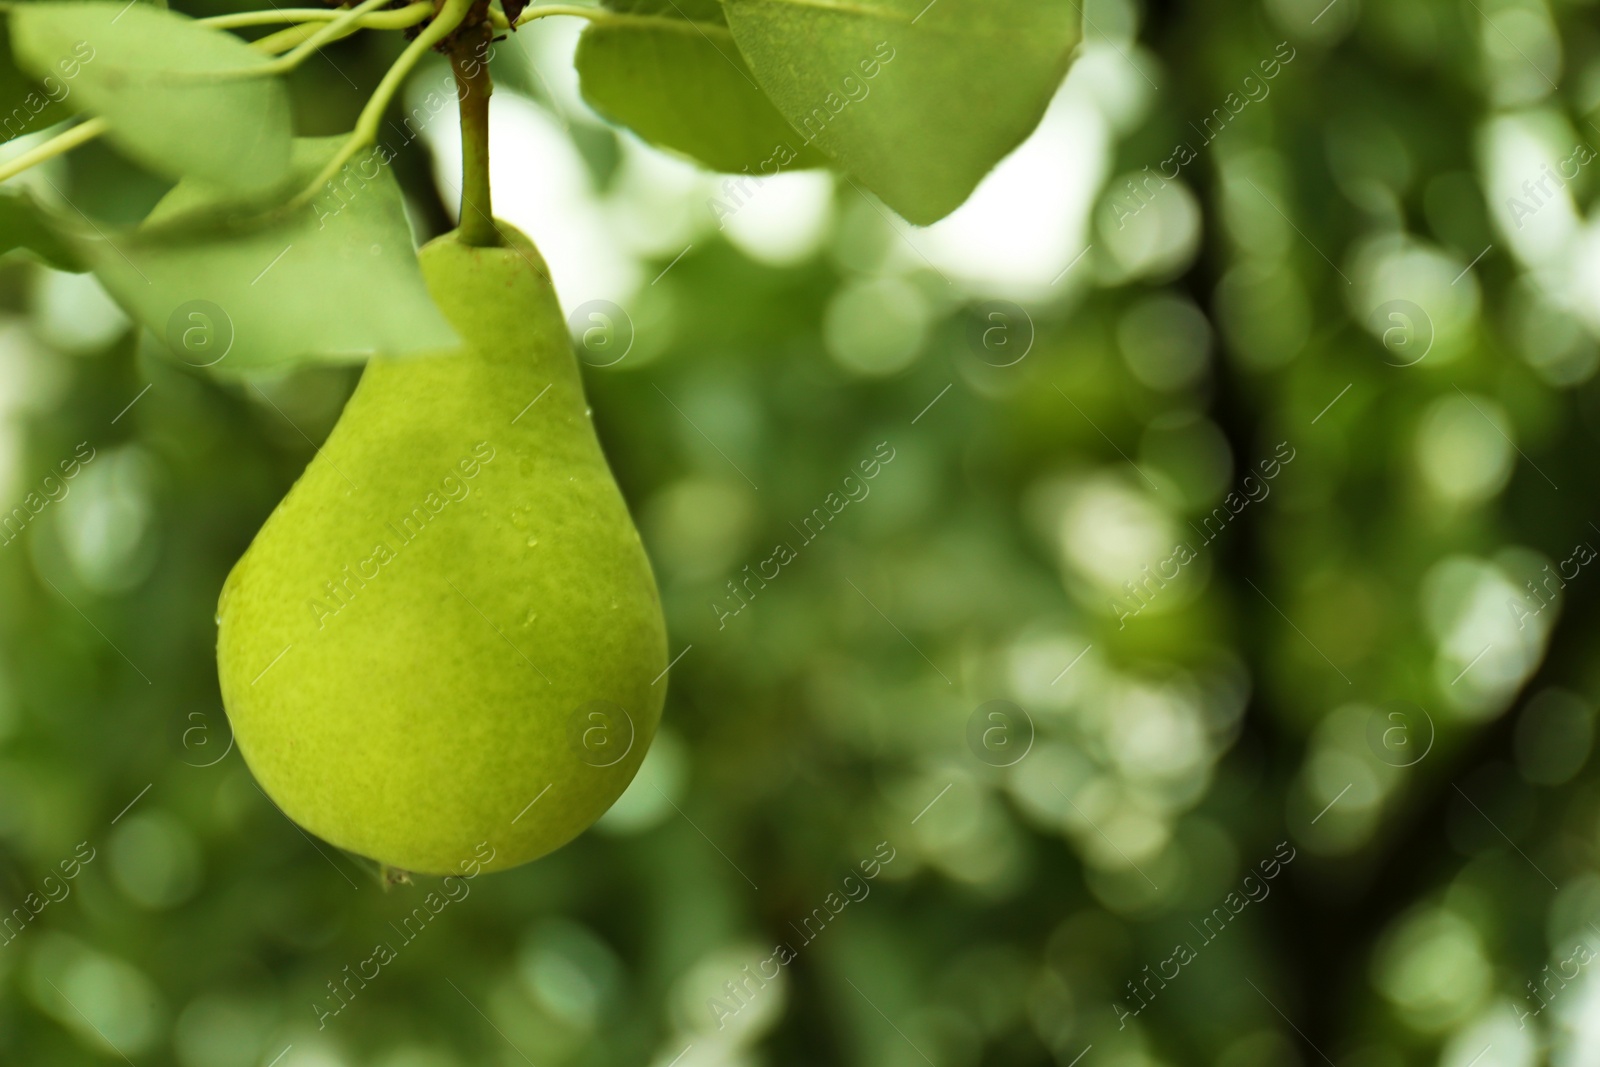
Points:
(446, 642)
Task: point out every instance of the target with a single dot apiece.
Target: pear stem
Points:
(469, 61)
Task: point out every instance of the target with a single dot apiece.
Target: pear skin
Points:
(448, 634)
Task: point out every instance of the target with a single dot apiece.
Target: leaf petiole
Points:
(287, 38)
(559, 9)
(366, 131)
(398, 19)
(347, 22)
(544, 10)
(297, 34)
(82, 133)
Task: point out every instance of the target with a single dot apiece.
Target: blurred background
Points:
(1203, 676)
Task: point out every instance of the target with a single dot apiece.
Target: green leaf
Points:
(682, 84)
(916, 100)
(336, 281)
(168, 86)
(32, 105)
(25, 225)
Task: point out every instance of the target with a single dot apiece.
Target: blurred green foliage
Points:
(1276, 543)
